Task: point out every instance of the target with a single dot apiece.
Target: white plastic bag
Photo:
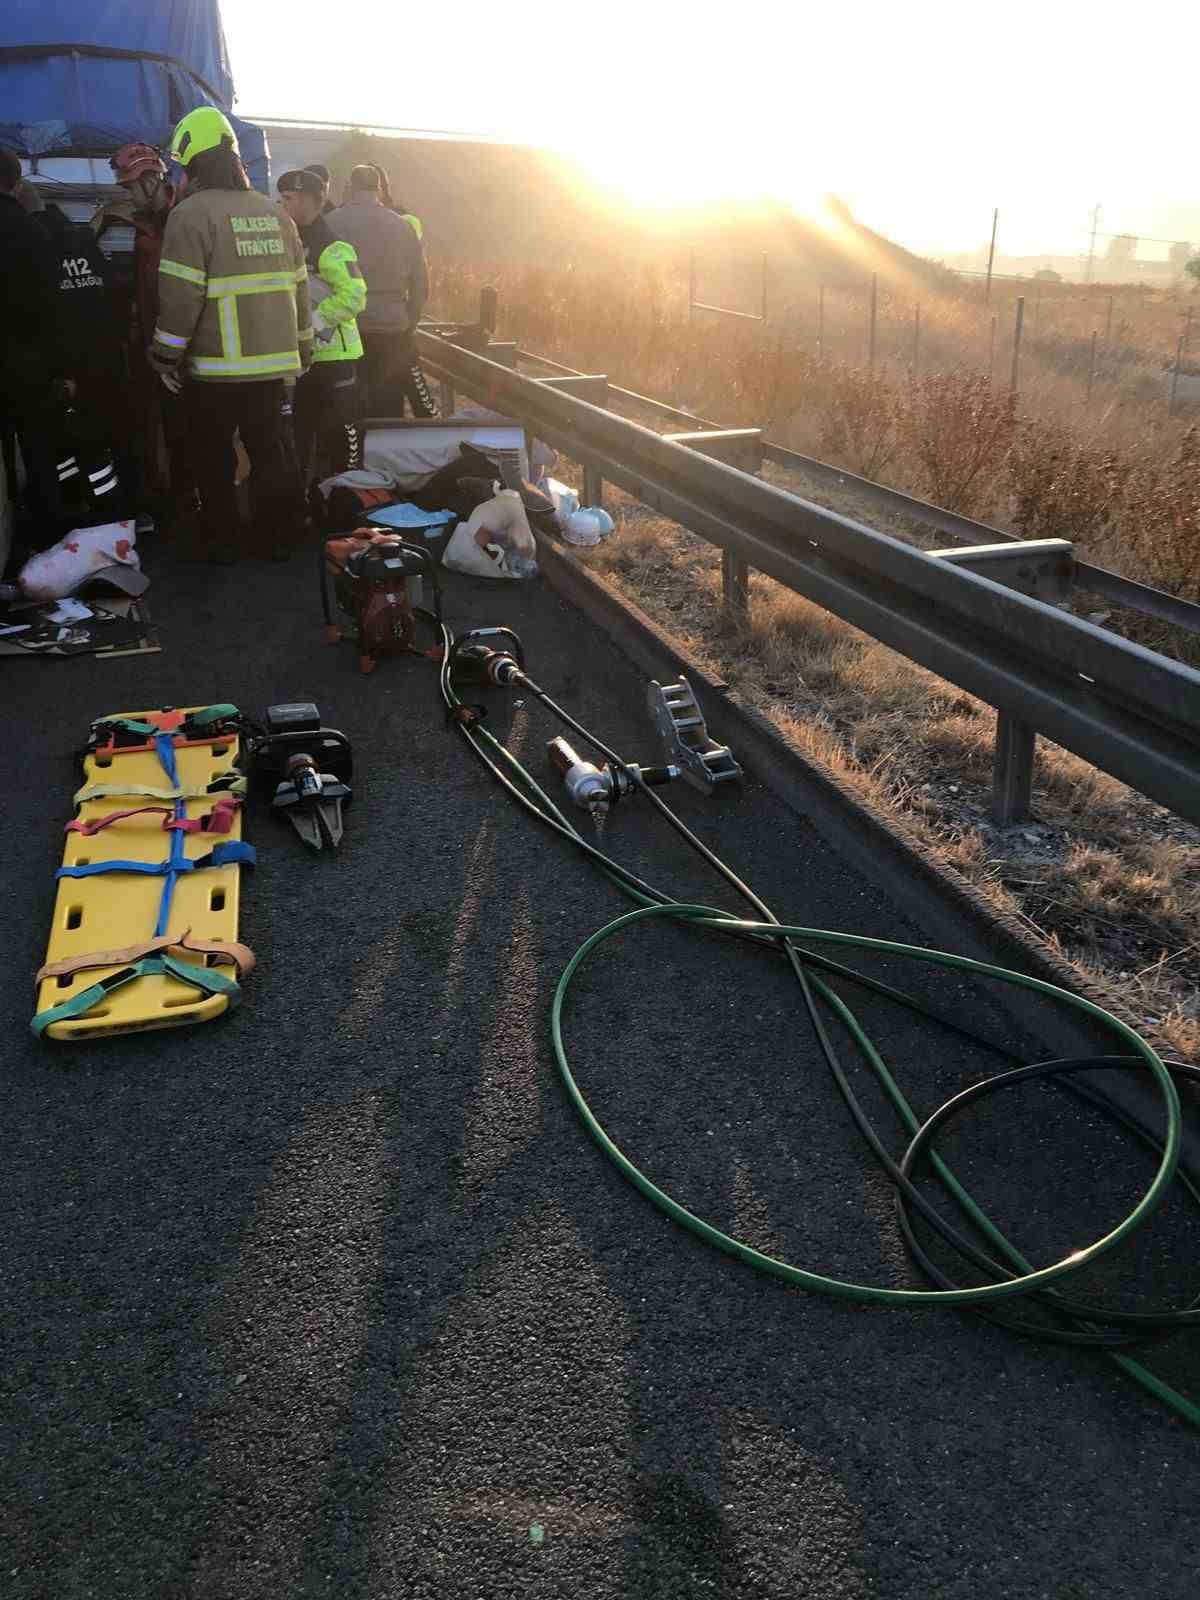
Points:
(495, 542)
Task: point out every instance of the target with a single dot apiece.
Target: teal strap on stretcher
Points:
(204, 718)
(234, 852)
(202, 978)
(211, 714)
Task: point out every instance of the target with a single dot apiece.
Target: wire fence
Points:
(1122, 344)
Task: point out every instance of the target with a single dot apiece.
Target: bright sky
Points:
(923, 115)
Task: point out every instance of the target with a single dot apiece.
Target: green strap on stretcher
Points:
(197, 977)
(211, 714)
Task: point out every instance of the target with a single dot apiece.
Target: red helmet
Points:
(132, 160)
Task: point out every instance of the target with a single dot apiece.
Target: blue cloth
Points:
(56, 102)
(405, 515)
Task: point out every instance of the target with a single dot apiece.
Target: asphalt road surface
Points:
(336, 1298)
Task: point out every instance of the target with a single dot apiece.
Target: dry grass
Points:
(1108, 878)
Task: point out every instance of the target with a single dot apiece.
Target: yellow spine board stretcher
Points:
(116, 914)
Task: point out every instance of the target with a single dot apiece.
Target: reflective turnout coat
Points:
(233, 290)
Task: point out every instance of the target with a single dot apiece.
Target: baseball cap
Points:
(300, 181)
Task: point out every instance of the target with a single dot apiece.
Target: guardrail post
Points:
(448, 398)
(502, 351)
(1012, 770)
(592, 387)
(742, 448)
(735, 583)
(1041, 568)
(488, 309)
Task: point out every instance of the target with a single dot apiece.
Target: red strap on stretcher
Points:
(218, 820)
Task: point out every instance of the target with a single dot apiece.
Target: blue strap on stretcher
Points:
(232, 853)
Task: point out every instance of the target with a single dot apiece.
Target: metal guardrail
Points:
(1122, 591)
(1125, 592)
(1123, 708)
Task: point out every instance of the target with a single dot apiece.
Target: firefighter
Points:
(233, 324)
(330, 401)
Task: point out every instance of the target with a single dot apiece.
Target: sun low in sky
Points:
(922, 116)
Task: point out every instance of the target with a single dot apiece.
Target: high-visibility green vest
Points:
(338, 291)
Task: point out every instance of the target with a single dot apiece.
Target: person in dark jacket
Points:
(393, 263)
(29, 351)
(93, 433)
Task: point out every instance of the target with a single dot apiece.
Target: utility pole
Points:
(987, 293)
(1091, 260)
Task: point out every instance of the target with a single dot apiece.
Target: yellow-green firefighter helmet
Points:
(206, 128)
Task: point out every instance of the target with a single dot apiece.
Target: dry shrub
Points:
(768, 375)
(958, 430)
(1063, 487)
(859, 427)
(1163, 519)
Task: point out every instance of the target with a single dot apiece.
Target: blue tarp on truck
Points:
(80, 79)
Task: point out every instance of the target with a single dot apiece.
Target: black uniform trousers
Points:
(213, 412)
(330, 405)
(394, 375)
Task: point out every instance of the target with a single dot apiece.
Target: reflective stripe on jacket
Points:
(337, 288)
(233, 290)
